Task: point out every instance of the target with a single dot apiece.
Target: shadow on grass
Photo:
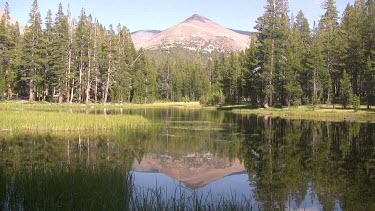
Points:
(236, 107)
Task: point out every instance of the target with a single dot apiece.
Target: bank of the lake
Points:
(320, 113)
(54, 106)
(71, 116)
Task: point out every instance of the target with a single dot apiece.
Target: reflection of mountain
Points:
(194, 170)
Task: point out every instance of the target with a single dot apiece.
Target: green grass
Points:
(55, 106)
(321, 113)
(21, 120)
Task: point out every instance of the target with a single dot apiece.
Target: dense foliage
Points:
(287, 63)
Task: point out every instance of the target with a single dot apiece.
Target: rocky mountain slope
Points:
(13, 22)
(196, 33)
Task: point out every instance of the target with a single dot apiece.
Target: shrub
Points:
(212, 98)
(185, 99)
(356, 102)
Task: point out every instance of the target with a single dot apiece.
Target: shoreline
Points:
(320, 113)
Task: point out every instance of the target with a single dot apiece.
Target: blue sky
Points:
(161, 14)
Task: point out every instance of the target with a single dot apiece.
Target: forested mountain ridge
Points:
(80, 60)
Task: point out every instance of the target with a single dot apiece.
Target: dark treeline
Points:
(62, 59)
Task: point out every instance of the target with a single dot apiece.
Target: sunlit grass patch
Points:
(323, 113)
(63, 121)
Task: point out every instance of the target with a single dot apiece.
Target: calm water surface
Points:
(270, 162)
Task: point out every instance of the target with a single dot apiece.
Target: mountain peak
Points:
(197, 17)
(196, 33)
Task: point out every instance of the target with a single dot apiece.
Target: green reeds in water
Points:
(186, 199)
(66, 188)
(64, 121)
(99, 188)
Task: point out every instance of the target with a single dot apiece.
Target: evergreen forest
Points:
(63, 59)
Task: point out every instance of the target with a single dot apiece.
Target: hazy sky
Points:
(161, 14)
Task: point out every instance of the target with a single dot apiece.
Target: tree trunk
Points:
(45, 93)
(60, 97)
(88, 86)
(68, 75)
(108, 73)
(72, 92)
(80, 78)
(107, 85)
(9, 87)
(96, 89)
(31, 90)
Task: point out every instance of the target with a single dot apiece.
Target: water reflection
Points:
(275, 163)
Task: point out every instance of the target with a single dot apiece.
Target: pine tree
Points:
(346, 90)
(369, 32)
(49, 79)
(305, 49)
(33, 52)
(15, 62)
(328, 29)
(273, 31)
(294, 66)
(7, 46)
(352, 44)
(228, 76)
(165, 81)
(122, 76)
(109, 59)
(60, 53)
(83, 45)
(320, 75)
(253, 86)
(70, 74)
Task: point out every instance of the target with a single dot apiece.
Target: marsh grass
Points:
(100, 188)
(65, 188)
(186, 199)
(321, 113)
(11, 120)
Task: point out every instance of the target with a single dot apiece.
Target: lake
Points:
(193, 158)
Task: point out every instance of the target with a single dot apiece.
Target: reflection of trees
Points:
(333, 159)
(51, 150)
(68, 172)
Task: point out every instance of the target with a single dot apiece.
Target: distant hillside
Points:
(142, 36)
(13, 22)
(196, 33)
(247, 33)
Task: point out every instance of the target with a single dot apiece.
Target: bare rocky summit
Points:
(196, 33)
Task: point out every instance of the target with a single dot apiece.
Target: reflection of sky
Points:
(237, 185)
(234, 185)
